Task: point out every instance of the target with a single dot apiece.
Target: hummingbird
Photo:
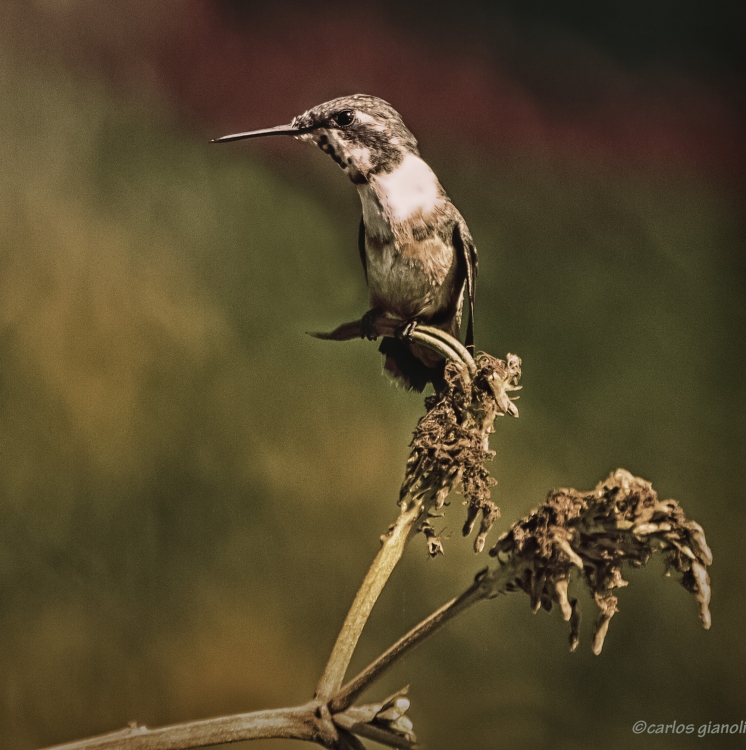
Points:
(418, 256)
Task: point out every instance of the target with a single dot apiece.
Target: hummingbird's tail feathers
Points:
(470, 329)
(403, 365)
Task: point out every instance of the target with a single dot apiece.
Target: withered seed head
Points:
(451, 443)
(621, 522)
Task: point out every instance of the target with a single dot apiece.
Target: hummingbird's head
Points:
(363, 134)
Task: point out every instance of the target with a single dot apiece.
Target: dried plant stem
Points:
(314, 721)
(621, 522)
(485, 587)
(396, 538)
(307, 722)
(378, 574)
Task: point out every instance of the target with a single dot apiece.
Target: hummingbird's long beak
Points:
(278, 130)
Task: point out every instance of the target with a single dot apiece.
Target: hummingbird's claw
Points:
(368, 324)
(406, 331)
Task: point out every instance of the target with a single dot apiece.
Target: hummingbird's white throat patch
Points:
(361, 158)
(411, 188)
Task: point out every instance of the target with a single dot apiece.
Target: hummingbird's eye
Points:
(344, 118)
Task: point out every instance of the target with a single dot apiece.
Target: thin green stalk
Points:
(366, 597)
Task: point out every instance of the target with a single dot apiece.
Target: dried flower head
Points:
(621, 522)
(451, 443)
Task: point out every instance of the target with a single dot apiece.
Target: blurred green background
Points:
(191, 489)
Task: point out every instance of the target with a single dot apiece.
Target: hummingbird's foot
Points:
(406, 331)
(368, 324)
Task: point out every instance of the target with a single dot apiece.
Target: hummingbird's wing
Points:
(467, 254)
(361, 248)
